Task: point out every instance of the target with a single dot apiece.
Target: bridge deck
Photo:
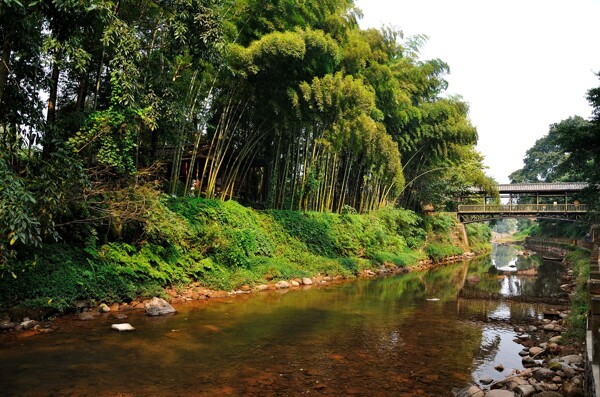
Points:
(480, 213)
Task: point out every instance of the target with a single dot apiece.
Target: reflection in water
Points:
(530, 279)
(369, 337)
(504, 289)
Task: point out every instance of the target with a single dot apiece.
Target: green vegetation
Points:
(224, 245)
(479, 236)
(579, 261)
(568, 152)
(281, 106)
(529, 231)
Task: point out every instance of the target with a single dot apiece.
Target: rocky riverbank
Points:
(554, 364)
(24, 320)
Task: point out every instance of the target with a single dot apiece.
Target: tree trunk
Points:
(82, 91)
(50, 132)
(51, 116)
(4, 61)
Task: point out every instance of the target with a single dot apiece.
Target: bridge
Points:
(552, 201)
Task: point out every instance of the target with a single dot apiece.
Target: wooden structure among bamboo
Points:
(558, 200)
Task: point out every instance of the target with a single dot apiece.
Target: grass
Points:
(579, 261)
(224, 245)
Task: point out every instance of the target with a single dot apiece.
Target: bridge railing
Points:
(523, 208)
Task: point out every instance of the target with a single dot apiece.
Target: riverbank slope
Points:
(226, 246)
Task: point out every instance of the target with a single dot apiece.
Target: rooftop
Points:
(554, 187)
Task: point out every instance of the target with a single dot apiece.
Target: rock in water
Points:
(158, 307)
(86, 316)
(122, 327)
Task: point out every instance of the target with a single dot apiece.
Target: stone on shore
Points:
(534, 351)
(283, 285)
(571, 390)
(307, 281)
(513, 382)
(524, 390)
(28, 324)
(122, 327)
(528, 362)
(549, 394)
(543, 374)
(158, 307)
(573, 359)
(474, 391)
(6, 325)
(499, 393)
(555, 366)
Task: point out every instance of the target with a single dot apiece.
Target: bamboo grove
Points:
(277, 104)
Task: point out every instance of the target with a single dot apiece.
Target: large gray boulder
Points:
(158, 307)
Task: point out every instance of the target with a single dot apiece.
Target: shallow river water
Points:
(420, 334)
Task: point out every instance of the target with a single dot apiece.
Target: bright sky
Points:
(520, 64)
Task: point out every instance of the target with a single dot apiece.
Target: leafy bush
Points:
(311, 228)
(439, 251)
(33, 196)
(479, 236)
(62, 275)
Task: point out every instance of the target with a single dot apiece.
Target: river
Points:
(419, 334)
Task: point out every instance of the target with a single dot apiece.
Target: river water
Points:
(420, 334)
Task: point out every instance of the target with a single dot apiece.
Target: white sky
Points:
(520, 64)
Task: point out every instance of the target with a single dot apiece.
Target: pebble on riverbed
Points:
(552, 367)
(547, 373)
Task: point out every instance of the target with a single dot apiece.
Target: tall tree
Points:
(543, 162)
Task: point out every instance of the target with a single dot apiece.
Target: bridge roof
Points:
(543, 188)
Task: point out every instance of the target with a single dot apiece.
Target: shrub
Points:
(439, 251)
(479, 236)
(577, 320)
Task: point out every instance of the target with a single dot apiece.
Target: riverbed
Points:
(430, 333)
